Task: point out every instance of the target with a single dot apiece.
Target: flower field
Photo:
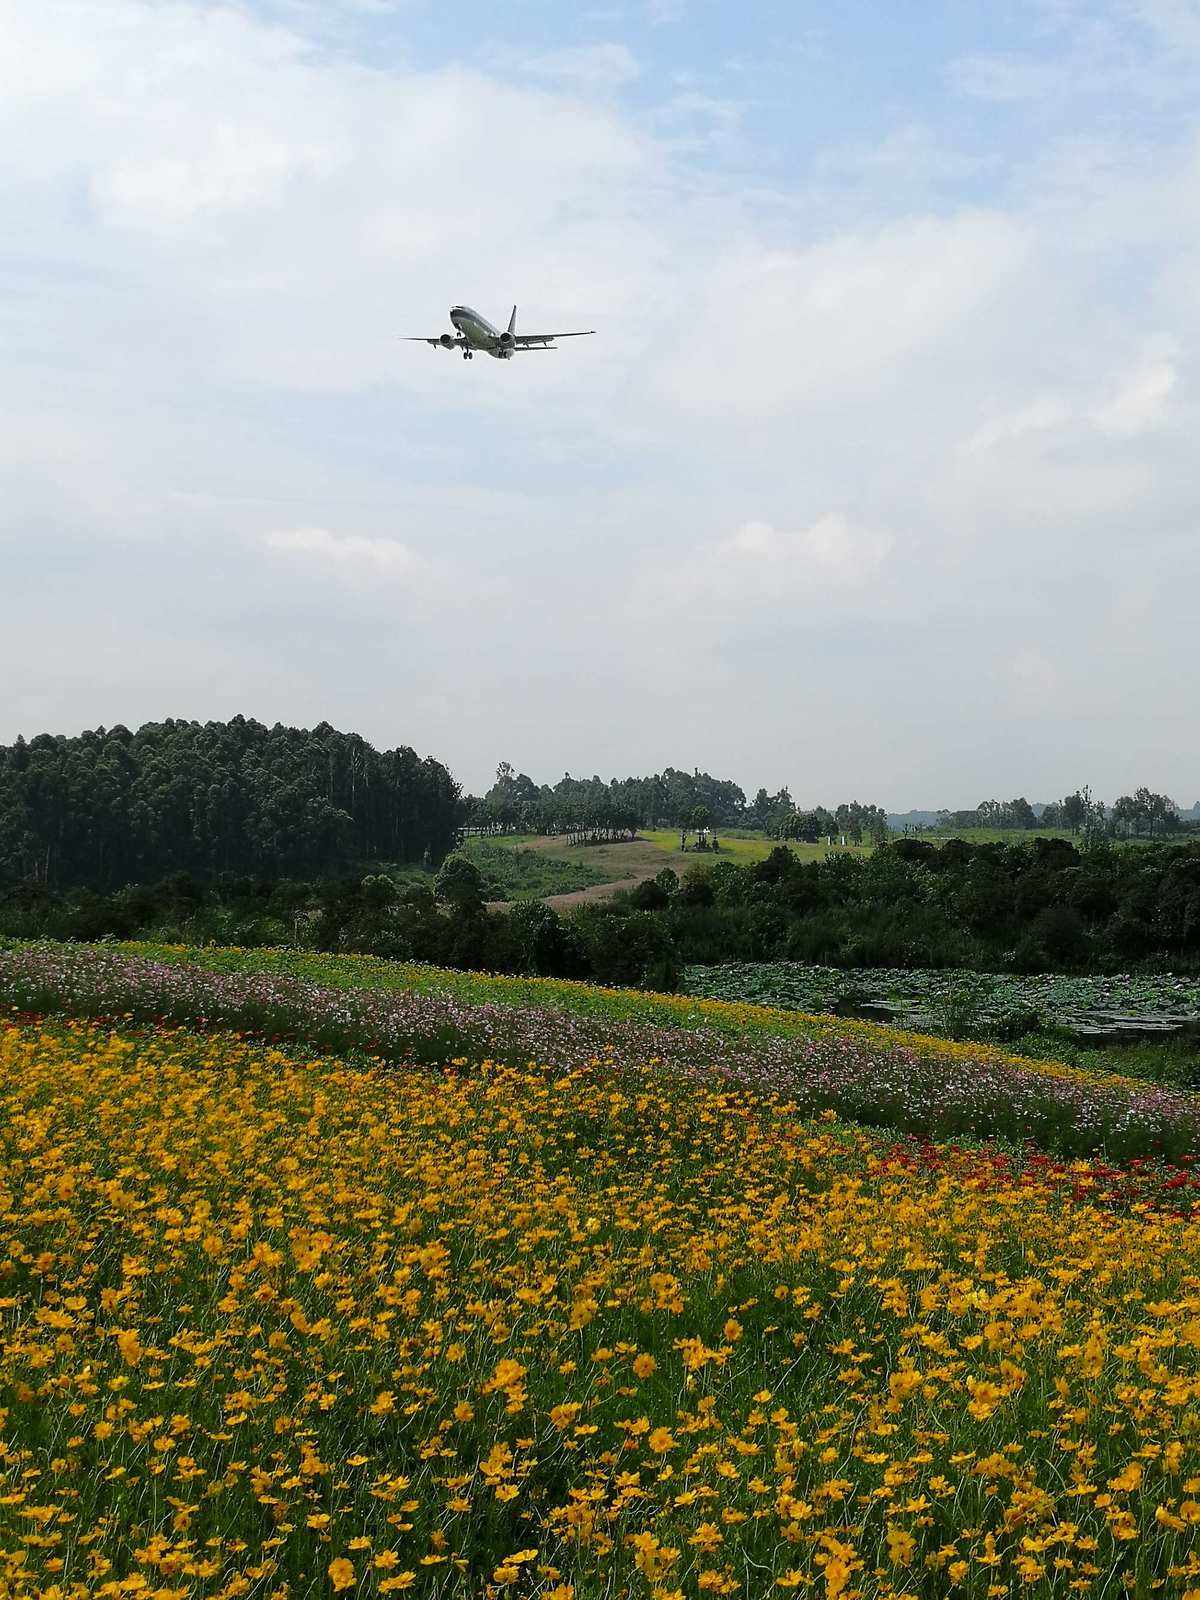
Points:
(278, 1324)
(919, 1086)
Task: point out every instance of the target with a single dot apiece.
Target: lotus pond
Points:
(954, 1001)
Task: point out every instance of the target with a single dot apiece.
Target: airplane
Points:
(476, 333)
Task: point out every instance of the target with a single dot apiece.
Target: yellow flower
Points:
(985, 1397)
(901, 1546)
(130, 1346)
(341, 1574)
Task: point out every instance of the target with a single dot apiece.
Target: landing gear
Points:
(468, 355)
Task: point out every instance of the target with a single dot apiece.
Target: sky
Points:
(878, 479)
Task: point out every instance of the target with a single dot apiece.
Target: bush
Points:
(649, 895)
(544, 944)
(697, 887)
(628, 951)
(1061, 933)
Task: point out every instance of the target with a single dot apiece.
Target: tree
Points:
(1075, 809)
(546, 945)
(460, 884)
(760, 809)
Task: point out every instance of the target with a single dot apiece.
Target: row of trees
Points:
(112, 807)
(1007, 814)
(590, 809)
(1142, 814)
(589, 806)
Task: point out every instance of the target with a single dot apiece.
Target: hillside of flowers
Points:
(275, 1324)
(875, 1076)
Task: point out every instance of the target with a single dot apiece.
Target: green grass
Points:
(515, 872)
(744, 848)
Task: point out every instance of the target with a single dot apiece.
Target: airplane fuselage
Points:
(479, 333)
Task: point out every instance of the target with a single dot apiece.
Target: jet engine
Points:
(447, 341)
(506, 342)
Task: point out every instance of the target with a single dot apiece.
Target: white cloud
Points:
(1045, 414)
(1140, 404)
(781, 326)
(760, 570)
(351, 554)
(830, 552)
(380, 574)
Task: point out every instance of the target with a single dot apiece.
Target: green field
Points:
(743, 847)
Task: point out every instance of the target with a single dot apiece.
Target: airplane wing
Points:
(524, 341)
(445, 340)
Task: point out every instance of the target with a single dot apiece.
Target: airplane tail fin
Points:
(512, 321)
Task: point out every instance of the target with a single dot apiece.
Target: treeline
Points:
(1142, 814)
(440, 919)
(851, 821)
(1038, 906)
(112, 807)
(589, 809)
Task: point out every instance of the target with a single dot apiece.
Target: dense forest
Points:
(111, 807)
